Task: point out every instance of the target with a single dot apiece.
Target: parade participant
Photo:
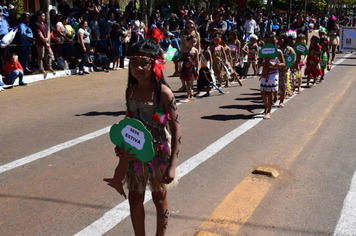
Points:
(284, 75)
(189, 71)
(294, 74)
(313, 59)
(251, 50)
(235, 48)
(147, 92)
(269, 77)
(206, 69)
(188, 30)
(228, 65)
(325, 56)
(219, 59)
(296, 67)
(333, 30)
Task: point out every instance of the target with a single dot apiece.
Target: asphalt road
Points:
(55, 151)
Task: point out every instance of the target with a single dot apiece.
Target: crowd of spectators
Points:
(99, 35)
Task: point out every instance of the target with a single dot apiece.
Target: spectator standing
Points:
(250, 25)
(4, 30)
(95, 32)
(125, 40)
(103, 27)
(217, 27)
(301, 27)
(44, 50)
(84, 45)
(25, 38)
(63, 7)
(129, 9)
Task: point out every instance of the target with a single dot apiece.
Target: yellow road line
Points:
(237, 207)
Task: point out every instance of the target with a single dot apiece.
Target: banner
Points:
(347, 39)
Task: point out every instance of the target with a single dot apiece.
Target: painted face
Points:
(141, 67)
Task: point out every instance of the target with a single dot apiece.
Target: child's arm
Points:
(244, 50)
(170, 106)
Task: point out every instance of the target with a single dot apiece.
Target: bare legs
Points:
(267, 101)
(138, 212)
(189, 86)
(333, 52)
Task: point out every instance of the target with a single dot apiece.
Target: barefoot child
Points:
(219, 59)
(228, 64)
(235, 48)
(313, 67)
(251, 50)
(269, 77)
(325, 56)
(297, 66)
(283, 71)
(206, 70)
(146, 93)
(189, 71)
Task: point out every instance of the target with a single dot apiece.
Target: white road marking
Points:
(347, 221)
(54, 149)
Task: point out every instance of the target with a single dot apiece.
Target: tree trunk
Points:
(143, 11)
(149, 10)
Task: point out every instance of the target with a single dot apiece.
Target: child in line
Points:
(219, 59)
(298, 63)
(13, 70)
(292, 36)
(206, 71)
(189, 71)
(260, 44)
(148, 94)
(251, 50)
(228, 64)
(313, 67)
(269, 78)
(286, 50)
(325, 56)
(235, 46)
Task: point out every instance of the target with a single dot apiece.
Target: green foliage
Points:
(20, 7)
(255, 4)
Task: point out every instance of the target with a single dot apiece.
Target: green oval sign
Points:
(173, 53)
(290, 59)
(301, 48)
(268, 50)
(134, 135)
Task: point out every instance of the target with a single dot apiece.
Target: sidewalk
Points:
(56, 74)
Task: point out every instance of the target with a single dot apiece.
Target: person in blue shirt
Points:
(4, 30)
(25, 39)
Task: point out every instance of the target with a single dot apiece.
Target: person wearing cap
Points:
(25, 39)
(4, 30)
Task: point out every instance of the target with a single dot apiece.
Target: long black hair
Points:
(149, 49)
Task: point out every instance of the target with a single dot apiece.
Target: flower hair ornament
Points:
(291, 33)
(158, 65)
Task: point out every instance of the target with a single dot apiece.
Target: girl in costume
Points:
(150, 100)
(260, 44)
(219, 59)
(251, 49)
(325, 56)
(284, 74)
(269, 77)
(189, 29)
(228, 65)
(333, 32)
(189, 71)
(235, 48)
(296, 67)
(206, 72)
(292, 36)
(313, 59)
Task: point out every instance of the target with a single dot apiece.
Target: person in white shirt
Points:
(250, 25)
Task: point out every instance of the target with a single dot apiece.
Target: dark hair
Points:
(149, 49)
(285, 38)
(269, 35)
(205, 41)
(225, 38)
(39, 13)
